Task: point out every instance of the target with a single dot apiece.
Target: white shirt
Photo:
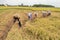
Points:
(29, 14)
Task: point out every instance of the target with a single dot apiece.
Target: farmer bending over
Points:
(16, 18)
(44, 13)
(30, 16)
(35, 14)
(49, 13)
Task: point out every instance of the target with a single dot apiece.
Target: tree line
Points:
(35, 5)
(42, 5)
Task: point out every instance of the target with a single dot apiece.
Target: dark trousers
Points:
(17, 19)
(49, 14)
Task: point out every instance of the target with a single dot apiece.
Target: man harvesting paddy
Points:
(17, 18)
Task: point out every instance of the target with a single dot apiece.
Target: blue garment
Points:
(29, 16)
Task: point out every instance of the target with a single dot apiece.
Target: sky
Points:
(55, 3)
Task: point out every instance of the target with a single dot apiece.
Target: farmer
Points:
(16, 18)
(30, 16)
(35, 14)
(49, 13)
(44, 13)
